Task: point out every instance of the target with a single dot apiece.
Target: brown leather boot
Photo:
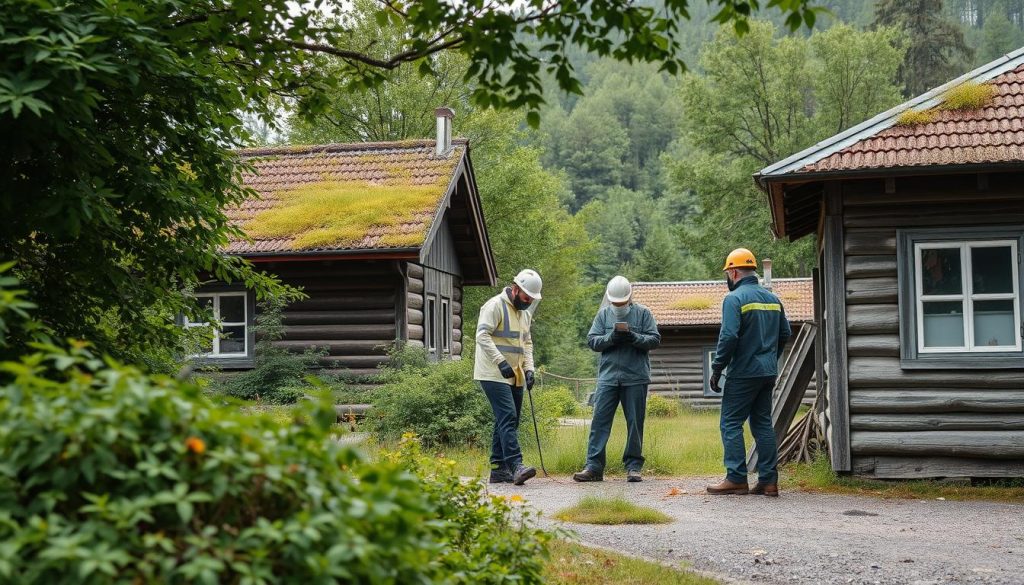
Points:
(727, 487)
(765, 489)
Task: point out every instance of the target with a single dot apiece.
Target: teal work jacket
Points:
(754, 332)
(624, 363)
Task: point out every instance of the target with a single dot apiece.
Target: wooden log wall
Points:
(677, 367)
(922, 423)
(416, 286)
(350, 312)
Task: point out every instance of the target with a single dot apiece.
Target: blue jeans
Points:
(742, 399)
(506, 403)
(634, 406)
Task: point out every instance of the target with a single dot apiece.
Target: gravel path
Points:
(803, 537)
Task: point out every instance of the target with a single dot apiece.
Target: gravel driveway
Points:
(803, 537)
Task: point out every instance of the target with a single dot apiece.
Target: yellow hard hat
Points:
(740, 258)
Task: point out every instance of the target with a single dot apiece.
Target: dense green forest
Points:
(648, 174)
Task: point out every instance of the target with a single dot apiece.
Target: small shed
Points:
(689, 316)
(920, 228)
(381, 236)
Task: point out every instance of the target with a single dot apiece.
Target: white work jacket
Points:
(503, 334)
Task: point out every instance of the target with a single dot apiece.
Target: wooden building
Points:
(920, 230)
(381, 236)
(689, 316)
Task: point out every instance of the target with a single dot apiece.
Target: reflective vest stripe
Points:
(760, 307)
(508, 348)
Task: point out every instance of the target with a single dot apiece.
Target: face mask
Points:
(520, 304)
(620, 312)
(730, 282)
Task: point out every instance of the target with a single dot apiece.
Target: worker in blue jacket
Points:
(754, 333)
(623, 332)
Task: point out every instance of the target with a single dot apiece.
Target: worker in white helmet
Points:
(503, 366)
(623, 332)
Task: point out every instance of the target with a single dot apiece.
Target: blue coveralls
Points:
(754, 333)
(624, 371)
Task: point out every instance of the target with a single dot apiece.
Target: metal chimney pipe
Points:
(767, 263)
(444, 130)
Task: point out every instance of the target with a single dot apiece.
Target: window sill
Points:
(964, 362)
(232, 363)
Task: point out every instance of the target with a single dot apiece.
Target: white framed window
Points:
(960, 297)
(967, 296)
(446, 326)
(230, 312)
(709, 358)
(430, 322)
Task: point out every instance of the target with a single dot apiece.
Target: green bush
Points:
(112, 476)
(278, 376)
(556, 400)
(440, 403)
(660, 406)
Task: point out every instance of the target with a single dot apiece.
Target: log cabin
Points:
(382, 237)
(689, 316)
(919, 227)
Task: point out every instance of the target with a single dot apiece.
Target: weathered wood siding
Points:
(430, 287)
(350, 312)
(677, 367)
(922, 423)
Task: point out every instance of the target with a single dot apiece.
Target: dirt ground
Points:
(802, 537)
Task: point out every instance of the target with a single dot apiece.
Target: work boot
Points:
(522, 473)
(588, 474)
(765, 489)
(728, 487)
(501, 475)
(633, 476)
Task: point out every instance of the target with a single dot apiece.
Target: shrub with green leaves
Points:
(279, 376)
(556, 400)
(440, 403)
(110, 475)
(661, 406)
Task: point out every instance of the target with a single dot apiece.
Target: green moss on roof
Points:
(334, 214)
(691, 304)
(915, 117)
(970, 95)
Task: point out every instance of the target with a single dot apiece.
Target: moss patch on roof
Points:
(336, 214)
(692, 304)
(968, 96)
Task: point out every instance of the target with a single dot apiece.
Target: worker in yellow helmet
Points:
(753, 335)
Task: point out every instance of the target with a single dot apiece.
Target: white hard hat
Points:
(619, 290)
(529, 281)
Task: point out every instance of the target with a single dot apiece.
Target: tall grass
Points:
(611, 511)
(687, 444)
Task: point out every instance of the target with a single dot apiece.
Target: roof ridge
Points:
(685, 282)
(886, 119)
(302, 149)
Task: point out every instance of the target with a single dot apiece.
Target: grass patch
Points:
(573, 564)
(610, 511)
(915, 117)
(691, 304)
(688, 444)
(819, 477)
(970, 95)
(340, 213)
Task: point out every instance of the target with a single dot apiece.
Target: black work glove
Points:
(620, 337)
(506, 370)
(529, 379)
(716, 377)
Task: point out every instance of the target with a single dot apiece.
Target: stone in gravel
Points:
(858, 513)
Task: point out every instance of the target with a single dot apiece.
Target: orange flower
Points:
(195, 445)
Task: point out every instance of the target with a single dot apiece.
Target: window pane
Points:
(232, 339)
(992, 270)
(204, 338)
(944, 324)
(993, 323)
(205, 303)
(232, 309)
(940, 271)
(431, 327)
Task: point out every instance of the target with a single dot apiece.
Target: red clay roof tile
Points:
(699, 303)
